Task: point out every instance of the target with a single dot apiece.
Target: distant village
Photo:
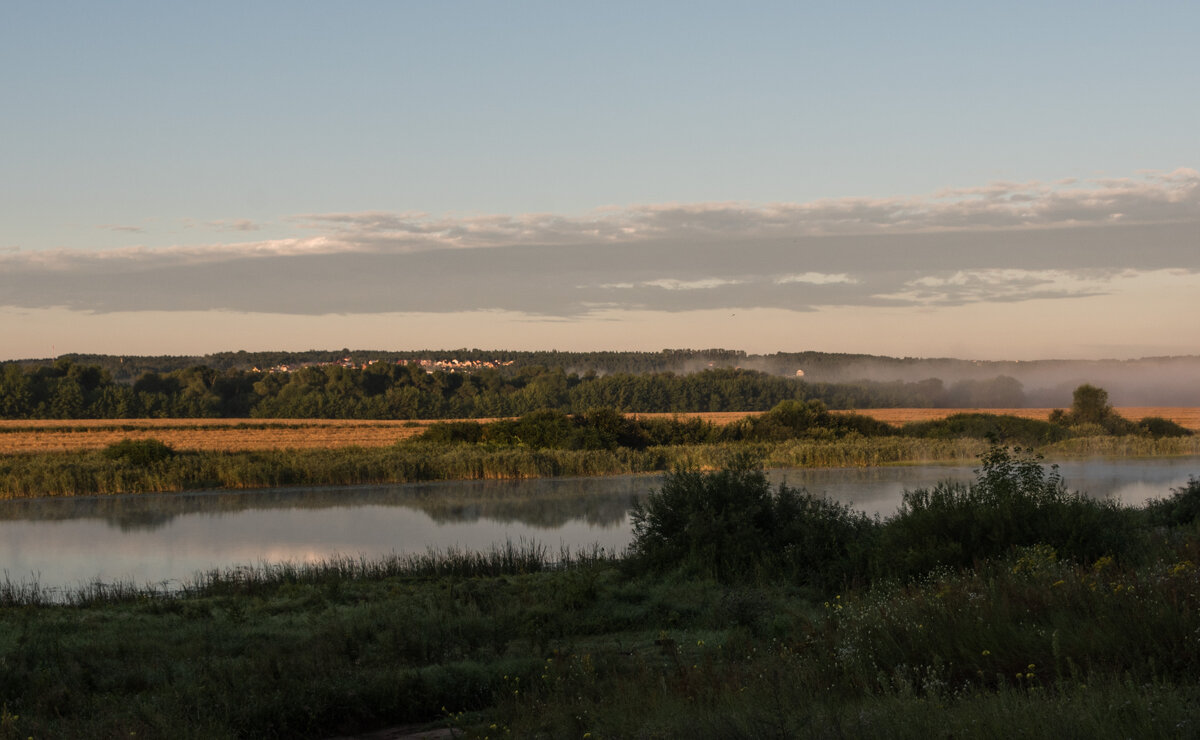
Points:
(430, 366)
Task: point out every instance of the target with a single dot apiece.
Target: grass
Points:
(513, 642)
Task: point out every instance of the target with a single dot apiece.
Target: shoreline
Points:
(89, 473)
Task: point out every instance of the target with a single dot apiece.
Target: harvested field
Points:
(204, 434)
(54, 435)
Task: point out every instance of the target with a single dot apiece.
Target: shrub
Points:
(139, 452)
(996, 427)
(1014, 502)
(804, 420)
(1180, 508)
(1156, 426)
(453, 432)
(731, 526)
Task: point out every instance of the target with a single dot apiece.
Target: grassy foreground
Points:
(1004, 608)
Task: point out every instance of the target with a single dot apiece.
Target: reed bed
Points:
(92, 473)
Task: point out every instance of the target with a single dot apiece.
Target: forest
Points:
(67, 389)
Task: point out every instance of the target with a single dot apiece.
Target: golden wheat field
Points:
(45, 435)
(54, 435)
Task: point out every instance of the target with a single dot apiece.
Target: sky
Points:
(984, 181)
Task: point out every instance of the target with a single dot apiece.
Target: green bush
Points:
(1182, 507)
(996, 427)
(1014, 502)
(453, 432)
(803, 420)
(139, 452)
(731, 526)
(1156, 426)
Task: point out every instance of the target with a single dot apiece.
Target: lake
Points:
(165, 539)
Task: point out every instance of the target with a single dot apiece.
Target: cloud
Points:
(1171, 197)
(815, 278)
(973, 286)
(122, 228)
(1000, 242)
(674, 284)
(237, 224)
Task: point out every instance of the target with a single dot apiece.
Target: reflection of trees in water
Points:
(598, 510)
(544, 502)
(541, 503)
(144, 520)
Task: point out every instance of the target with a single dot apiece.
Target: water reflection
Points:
(544, 503)
(168, 538)
(879, 490)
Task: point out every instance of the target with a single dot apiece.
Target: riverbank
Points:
(90, 473)
(525, 643)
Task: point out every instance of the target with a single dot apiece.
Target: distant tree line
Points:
(385, 390)
(71, 390)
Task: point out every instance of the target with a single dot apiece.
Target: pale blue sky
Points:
(275, 129)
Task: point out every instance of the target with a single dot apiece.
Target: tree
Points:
(1089, 405)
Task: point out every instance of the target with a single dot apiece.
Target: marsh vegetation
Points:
(599, 441)
(1005, 606)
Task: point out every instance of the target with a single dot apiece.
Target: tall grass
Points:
(94, 473)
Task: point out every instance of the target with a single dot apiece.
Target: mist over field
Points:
(1156, 381)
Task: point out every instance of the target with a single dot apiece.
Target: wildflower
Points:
(987, 652)
(699, 643)
(1182, 567)
(1031, 667)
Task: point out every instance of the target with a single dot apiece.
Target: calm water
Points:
(157, 539)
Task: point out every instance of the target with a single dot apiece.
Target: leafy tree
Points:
(1090, 406)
